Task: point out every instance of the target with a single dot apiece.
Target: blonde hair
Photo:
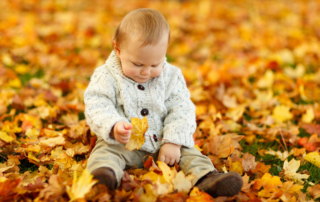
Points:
(149, 24)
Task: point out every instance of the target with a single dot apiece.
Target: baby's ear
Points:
(116, 48)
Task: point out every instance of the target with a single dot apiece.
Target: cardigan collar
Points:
(113, 62)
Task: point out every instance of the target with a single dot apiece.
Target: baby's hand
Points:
(170, 153)
(122, 132)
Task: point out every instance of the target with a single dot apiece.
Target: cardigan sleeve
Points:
(180, 122)
(100, 101)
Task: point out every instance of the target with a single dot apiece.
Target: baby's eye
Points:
(137, 65)
(154, 65)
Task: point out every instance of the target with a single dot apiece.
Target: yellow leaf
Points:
(296, 73)
(32, 133)
(167, 172)
(283, 156)
(235, 113)
(182, 183)
(5, 137)
(51, 142)
(229, 101)
(196, 196)
(314, 158)
(15, 83)
(22, 69)
(266, 80)
(308, 116)
(197, 147)
(290, 170)
(80, 187)
(149, 195)
(32, 157)
(139, 128)
(267, 182)
(281, 113)
(235, 166)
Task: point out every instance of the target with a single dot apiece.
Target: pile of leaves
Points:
(252, 67)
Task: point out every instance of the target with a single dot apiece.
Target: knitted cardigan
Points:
(111, 97)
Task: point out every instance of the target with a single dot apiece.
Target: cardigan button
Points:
(140, 87)
(144, 112)
(155, 138)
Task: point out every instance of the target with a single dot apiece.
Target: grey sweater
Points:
(165, 100)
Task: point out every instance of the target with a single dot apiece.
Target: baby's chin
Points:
(142, 80)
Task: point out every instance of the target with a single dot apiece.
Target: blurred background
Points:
(252, 67)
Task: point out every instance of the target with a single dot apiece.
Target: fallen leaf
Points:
(314, 191)
(81, 186)
(196, 196)
(314, 158)
(139, 128)
(182, 183)
(290, 170)
(5, 137)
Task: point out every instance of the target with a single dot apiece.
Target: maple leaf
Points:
(279, 154)
(7, 187)
(290, 190)
(81, 186)
(308, 116)
(151, 165)
(281, 113)
(311, 128)
(248, 162)
(267, 182)
(168, 174)
(149, 195)
(54, 191)
(314, 191)
(314, 158)
(290, 170)
(139, 128)
(182, 183)
(5, 137)
(196, 196)
(246, 185)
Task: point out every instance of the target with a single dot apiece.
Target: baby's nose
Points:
(145, 71)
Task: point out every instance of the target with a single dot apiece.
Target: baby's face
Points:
(143, 63)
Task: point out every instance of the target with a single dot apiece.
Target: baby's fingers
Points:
(171, 162)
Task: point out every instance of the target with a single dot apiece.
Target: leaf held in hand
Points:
(139, 128)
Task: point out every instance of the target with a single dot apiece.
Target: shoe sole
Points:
(228, 184)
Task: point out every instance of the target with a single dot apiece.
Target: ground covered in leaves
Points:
(253, 69)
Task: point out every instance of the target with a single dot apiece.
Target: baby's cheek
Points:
(156, 72)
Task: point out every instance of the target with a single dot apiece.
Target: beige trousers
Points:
(118, 158)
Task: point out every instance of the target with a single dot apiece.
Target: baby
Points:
(137, 81)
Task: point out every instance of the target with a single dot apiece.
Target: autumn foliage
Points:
(252, 67)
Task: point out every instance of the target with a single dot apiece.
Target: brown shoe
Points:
(105, 176)
(220, 184)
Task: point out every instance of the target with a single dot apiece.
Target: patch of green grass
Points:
(252, 79)
(25, 78)
(256, 146)
(314, 174)
(25, 165)
(81, 116)
(303, 133)
(80, 157)
(275, 162)
(247, 117)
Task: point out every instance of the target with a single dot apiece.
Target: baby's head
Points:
(141, 42)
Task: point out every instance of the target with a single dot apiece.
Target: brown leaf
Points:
(54, 191)
(7, 189)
